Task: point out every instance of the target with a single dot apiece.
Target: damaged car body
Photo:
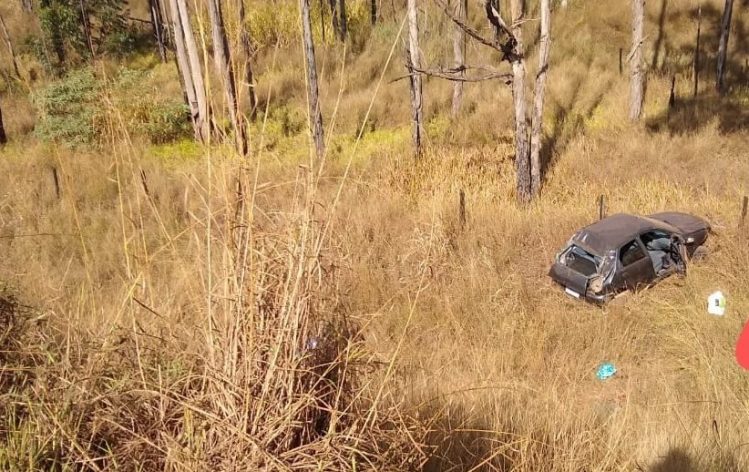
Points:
(625, 252)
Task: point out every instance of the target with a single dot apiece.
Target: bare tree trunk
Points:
(697, 51)
(202, 120)
(315, 114)
(322, 19)
(725, 30)
(9, 43)
(415, 78)
(247, 51)
(636, 94)
(459, 50)
(522, 148)
(158, 27)
(334, 16)
(344, 20)
(27, 5)
(497, 31)
(538, 109)
(373, 11)
(183, 64)
(85, 21)
(222, 58)
(3, 137)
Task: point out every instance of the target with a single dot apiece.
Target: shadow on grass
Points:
(677, 460)
(692, 114)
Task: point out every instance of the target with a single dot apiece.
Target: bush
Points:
(67, 108)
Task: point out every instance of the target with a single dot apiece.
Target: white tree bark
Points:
(203, 120)
(637, 82)
(538, 109)
(725, 31)
(183, 64)
(522, 148)
(222, 59)
(9, 44)
(459, 51)
(417, 114)
(315, 114)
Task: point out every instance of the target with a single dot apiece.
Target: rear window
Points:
(580, 260)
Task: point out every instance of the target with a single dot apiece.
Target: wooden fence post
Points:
(462, 209)
(601, 207)
(744, 205)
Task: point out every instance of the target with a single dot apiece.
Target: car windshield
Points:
(580, 260)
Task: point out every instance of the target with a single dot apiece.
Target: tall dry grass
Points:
(213, 313)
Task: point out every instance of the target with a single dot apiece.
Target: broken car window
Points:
(631, 252)
(580, 260)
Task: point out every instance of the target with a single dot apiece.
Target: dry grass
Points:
(172, 301)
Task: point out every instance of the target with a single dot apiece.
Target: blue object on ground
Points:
(605, 371)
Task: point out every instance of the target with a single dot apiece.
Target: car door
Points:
(635, 266)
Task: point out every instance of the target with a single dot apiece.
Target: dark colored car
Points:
(625, 252)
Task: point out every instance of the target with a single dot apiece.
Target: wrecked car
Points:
(627, 252)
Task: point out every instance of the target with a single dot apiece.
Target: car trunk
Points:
(569, 278)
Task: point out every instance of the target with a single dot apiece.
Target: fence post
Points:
(462, 209)
(601, 207)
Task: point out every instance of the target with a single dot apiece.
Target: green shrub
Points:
(67, 108)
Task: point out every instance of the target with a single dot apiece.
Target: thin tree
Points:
(511, 51)
(9, 44)
(27, 5)
(522, 145)
(538, 108)
(86, 23)
(373, 11)
(222, 59)
(343, 22)
(157, 23)
(194, 92)
(246, 42)
(3, 136)
(315, 114)
(413, 64)
(203, 120)
(696, 70)
(459, 52)
(637, 81)
(334, 16)
(725, 30)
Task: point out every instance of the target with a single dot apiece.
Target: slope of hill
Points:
(182, 308)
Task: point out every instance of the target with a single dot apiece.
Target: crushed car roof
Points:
(614, 231)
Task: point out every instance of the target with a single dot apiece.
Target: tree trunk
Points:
(522, 148)
(202, 120)
(183, 64)
(247, 51)
(497, 32)
(373, 11)
(636, 94)
(222, 58)
(9, 43)
(86, 23)
(3, 137)
(158, 27)
(27, 5)
(538, 109)
(697, 52)
(334, 16)
(415, 77)
(315, 114)
(725, 30)
(343, 23)
(459, 50)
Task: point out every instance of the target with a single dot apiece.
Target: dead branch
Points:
(507, 49)
(454, 74)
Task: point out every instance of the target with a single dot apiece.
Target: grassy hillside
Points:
(171, 306)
